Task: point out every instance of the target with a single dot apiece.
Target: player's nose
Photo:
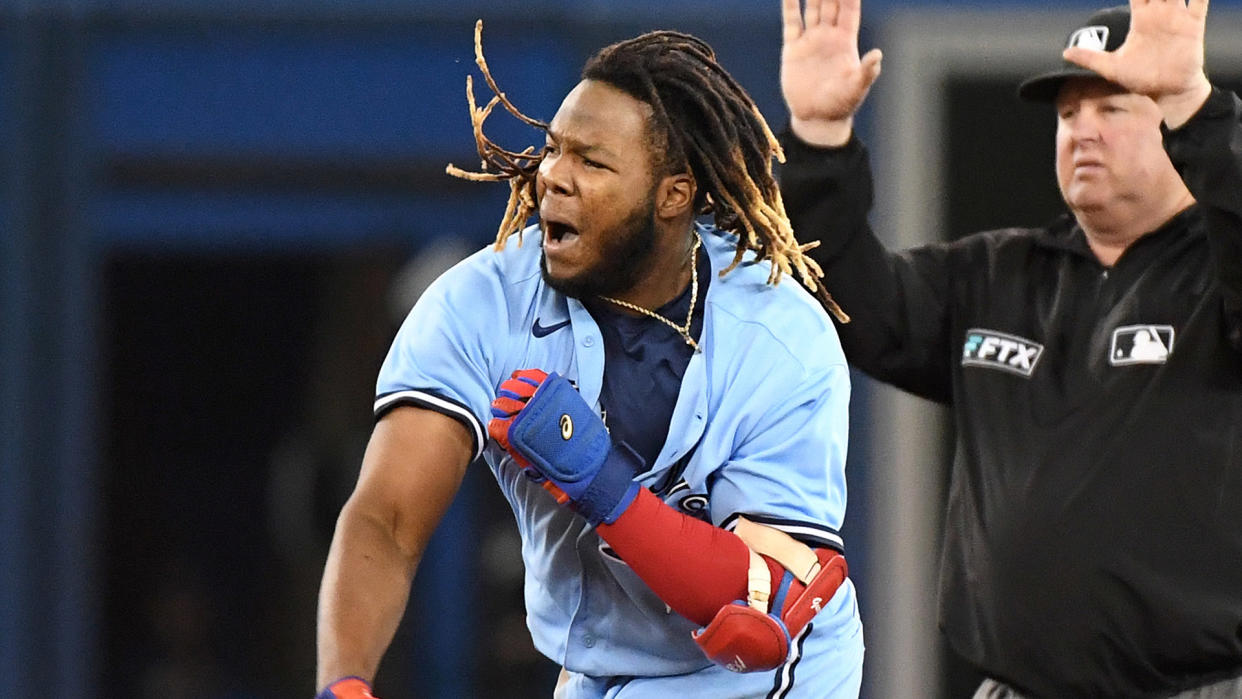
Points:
(555, 176)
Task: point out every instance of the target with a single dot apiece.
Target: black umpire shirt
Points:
(1094, 524)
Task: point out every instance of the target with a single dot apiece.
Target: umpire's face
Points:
(596, 192)
(1111, 163)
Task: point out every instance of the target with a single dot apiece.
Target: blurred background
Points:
(214, 215)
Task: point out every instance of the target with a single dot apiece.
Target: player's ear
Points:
(675, 195)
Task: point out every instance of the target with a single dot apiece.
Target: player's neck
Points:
(669, 273)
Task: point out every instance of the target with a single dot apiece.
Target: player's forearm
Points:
(694, 567)
(365, 589)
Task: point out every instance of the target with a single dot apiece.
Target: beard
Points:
(620, 261)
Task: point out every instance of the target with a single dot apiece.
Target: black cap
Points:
(1106, 29)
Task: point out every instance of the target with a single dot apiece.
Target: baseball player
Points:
(667, 421)
(1093, 538)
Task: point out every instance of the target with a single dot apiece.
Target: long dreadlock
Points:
(708, 123)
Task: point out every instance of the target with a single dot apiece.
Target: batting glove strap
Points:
(613, 489)
(347, 688)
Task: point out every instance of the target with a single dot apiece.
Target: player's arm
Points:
(412, 469)
(699, 570)
(751, 590)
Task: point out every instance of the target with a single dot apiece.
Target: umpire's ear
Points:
(675, 196)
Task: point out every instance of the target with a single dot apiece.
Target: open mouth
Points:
(558, 233)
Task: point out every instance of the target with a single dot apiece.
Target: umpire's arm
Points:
(413, 467)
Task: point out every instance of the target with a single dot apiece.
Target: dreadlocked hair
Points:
(707, 123)
(518, 169)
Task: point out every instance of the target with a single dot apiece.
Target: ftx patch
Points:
(996, 350)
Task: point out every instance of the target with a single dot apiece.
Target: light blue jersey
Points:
(759, 429)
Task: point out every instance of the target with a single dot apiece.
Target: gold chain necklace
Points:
(683, 330)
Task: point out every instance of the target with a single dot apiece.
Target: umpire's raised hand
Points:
(822, 77)
(1162, 56)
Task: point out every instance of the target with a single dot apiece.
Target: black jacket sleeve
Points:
(1207, 152)
(897, 302)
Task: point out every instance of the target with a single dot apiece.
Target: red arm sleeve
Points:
(694, 567)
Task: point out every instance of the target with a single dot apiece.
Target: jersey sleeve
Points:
(787, 469)
(442, 356)
(898, 302)
(1207, 152)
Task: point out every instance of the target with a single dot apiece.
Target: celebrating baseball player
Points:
(1093, 538)
(667, 420)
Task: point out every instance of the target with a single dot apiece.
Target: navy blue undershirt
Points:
(644, 361)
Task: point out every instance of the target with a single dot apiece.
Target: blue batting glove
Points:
(566, 442)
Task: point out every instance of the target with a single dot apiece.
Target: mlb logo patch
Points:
(1091, 38)
(996, 350)
(1141, 344)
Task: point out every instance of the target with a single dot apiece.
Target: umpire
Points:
(1093, 367)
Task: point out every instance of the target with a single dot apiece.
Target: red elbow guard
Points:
(811, 601)
(744, 639)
